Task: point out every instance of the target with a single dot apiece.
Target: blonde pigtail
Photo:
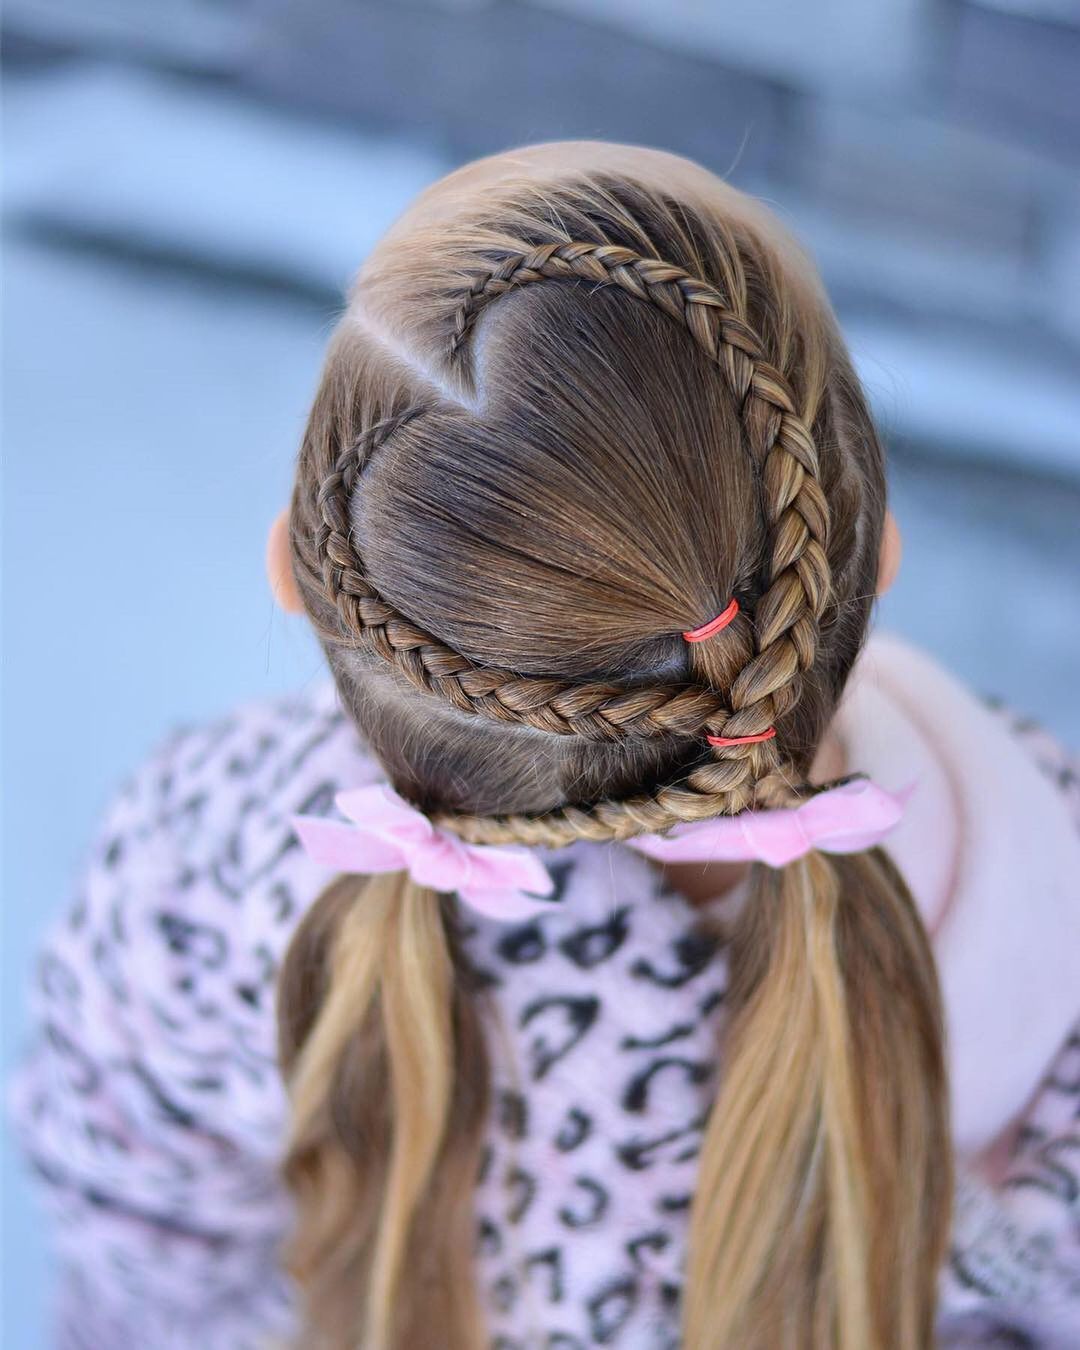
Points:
(821, 1211)
(371, 1078)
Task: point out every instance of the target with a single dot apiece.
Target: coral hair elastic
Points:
(714, 625)
(742, 740)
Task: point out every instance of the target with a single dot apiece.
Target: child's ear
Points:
(892, 550)
(278, 567)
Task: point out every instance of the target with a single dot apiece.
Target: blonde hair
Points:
(553, 431)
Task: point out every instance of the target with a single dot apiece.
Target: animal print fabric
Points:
(153, 1115)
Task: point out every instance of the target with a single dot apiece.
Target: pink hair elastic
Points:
(714, 625)
(742, 740)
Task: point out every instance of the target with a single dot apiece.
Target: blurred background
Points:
(188, 186)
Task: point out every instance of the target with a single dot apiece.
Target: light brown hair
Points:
(553, 431)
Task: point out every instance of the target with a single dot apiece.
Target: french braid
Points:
(786, 618)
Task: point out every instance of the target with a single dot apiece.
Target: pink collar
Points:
(992, 856)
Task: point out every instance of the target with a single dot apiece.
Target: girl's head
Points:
(582, 396)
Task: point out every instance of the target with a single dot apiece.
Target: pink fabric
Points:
(845, 819)
(386, 834)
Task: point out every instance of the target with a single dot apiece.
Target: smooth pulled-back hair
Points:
(558, 424)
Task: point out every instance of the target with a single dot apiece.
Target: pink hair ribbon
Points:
(845, 819)
(386, 834)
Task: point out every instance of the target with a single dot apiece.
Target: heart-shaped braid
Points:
(786, 617)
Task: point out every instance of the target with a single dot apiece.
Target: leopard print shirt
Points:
(152, 1113)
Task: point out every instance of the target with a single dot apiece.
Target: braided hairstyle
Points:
(560, 424)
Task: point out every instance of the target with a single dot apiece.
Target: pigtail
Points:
(821, 1211)
(383, 1053)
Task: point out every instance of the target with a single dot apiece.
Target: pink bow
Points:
(389, 835)
(844, 819)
